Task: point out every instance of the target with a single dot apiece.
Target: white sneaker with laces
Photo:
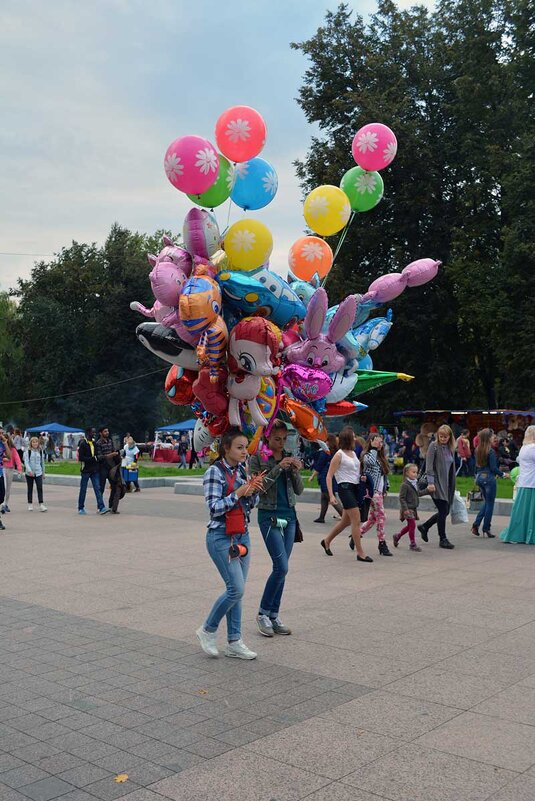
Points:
(42, 507)
(265, 626)
(30, 507)
(239, 650)
(207, 640)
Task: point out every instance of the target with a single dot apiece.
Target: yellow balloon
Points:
(248, 244)
(327, 210)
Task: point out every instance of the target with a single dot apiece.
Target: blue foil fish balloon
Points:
(304, 289)
(262, 292)
(368, 336)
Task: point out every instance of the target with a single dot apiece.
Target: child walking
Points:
(34, 466)
(375, 465)
(409, 500)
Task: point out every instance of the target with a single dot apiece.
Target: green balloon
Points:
(364, 189)
(220, 191)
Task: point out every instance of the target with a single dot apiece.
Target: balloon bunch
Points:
(244, 344)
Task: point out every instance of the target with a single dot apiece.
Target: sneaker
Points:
(30, 507)
(6, 508)
(265, 626)
(445, 543)
(279, 627)
(383, 548)
(423, 533)
(3, 509)
(2, 527)
(104, 510)
(42, 508)
(207, 640)
(414, 547)
(239, 650)
(82, 512)
(395, 540)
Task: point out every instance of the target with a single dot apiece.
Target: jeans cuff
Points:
(266, 612)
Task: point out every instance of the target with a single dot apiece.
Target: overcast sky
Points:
(93, 93)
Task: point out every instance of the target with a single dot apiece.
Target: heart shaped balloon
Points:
(306, 383)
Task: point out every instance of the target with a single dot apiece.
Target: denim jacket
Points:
(268, 498)
(491, 469)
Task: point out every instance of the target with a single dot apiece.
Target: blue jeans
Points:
(94, 478)
(234, 574)
(487, 484)
(279, 543)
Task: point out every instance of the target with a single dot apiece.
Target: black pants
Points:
(325, 506)
(104, 474)
(38, 480)
(443, 510)
(2, 489)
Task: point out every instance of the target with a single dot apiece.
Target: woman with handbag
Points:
(277, 521)
(486, 471)
(521, 526)
(229, 495)
(440, 475)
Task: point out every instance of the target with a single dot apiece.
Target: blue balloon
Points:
(263, 293)
(255, 184)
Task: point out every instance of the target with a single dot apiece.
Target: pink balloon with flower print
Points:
(240, 133)
(374, 146)
(192, 165)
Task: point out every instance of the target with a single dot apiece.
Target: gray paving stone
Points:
(35, 753)
(208, 747)
(414, 773)
(46, 789)
(83, 774)
(108, 789)
(24, 774)
(59, 763)
(8, 794)
(8, 762)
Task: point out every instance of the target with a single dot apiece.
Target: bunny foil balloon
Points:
(171, 269)
(252, 353)
(319, 350)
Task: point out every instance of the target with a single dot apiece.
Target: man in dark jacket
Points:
(90, 473)
(103, 449)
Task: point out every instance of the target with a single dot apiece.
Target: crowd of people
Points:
(353, 475)
(353, 478)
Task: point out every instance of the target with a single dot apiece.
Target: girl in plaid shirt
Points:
(375, 465)
(229, 495)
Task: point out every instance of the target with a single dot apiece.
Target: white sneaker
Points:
(207, 640)
(239, 650)
(30, 507)
(265, 627)
(42, 507)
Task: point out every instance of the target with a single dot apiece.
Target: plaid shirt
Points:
(217, 497)
(373, 469)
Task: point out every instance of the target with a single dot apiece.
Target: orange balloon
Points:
(308, 256)
(304, 419)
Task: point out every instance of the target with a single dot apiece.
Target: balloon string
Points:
(340, 243)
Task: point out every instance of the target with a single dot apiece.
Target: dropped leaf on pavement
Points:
(122, 777)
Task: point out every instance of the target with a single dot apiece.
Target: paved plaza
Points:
(412, 679)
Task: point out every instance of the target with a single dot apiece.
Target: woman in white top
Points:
(345, 467)
(521, 527)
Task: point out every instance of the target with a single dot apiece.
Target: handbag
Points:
(235, 523)
(475, 500)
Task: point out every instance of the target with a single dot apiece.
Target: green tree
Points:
(443, 82)
(11, 358)
(77, 331)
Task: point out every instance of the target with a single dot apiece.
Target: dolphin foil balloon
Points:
(262, 293)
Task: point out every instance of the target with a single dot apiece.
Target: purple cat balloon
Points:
(319, 350)
(305, 383)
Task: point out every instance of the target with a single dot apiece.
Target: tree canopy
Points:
(456, 86)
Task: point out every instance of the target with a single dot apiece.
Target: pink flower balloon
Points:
(191, 164)
(421, 271)
(240, 133)
(374, 146)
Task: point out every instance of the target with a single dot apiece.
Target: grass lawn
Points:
(504, 485)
